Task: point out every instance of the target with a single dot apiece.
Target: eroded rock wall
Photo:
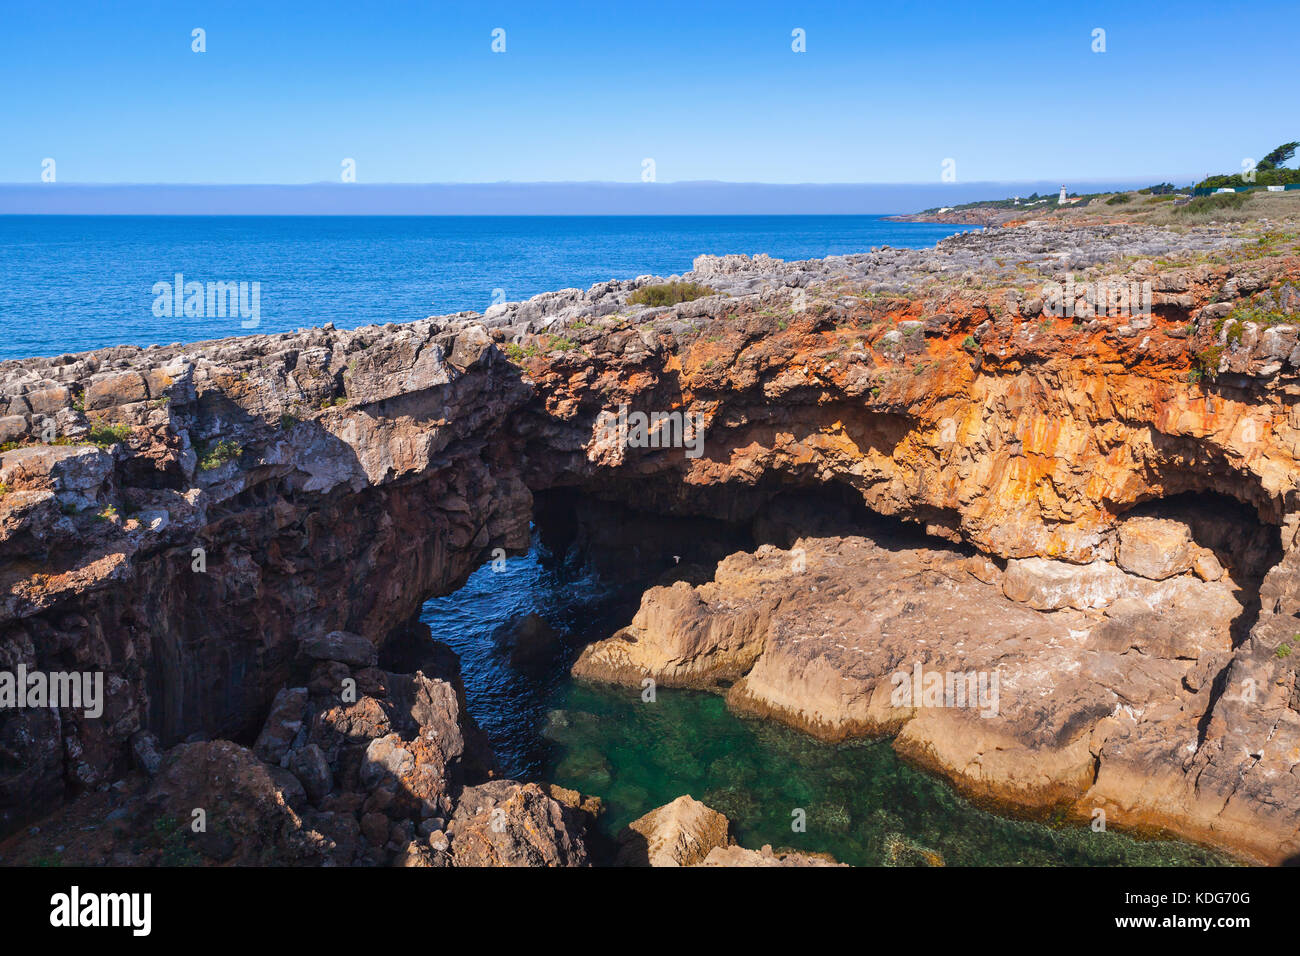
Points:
(243, 496)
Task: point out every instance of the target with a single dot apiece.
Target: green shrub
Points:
(1207, 361)
(1119, 200)
(1260, 316)
(1213, 203)
(106, 435)
(669, 293)
(214, 456)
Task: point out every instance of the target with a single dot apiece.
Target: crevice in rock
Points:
(1217, 688)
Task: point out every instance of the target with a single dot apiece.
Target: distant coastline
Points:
(509, 199)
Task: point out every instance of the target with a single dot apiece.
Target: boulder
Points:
(120, 388)
(289, 786)
(1155, 548)
(145, 752)
(1207, 566)
(282, 724)
(246, 818)
(385, 757)
(506, 823)
(681, 833)
(13, 427)
(309, 765)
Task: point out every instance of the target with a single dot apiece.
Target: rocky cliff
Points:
(197, 513)
(188, 519)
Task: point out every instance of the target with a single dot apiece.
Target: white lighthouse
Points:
(1061, 199)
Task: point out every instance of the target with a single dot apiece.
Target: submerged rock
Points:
(530, 641)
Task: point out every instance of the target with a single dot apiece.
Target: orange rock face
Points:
(988, 422)
(1031, 437)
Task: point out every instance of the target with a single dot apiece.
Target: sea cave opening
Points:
(517, 625)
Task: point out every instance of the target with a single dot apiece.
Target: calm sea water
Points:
(862, 804)
(72, 283)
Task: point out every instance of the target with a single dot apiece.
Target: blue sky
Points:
(413, 93)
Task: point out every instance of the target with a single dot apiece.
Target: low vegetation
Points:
(1207, 204)
(105, 435)
(669, 293)
(1205, 363)
(216, 455)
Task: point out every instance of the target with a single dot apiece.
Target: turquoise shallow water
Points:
(861, 803)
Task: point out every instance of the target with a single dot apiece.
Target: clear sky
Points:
(586, 91)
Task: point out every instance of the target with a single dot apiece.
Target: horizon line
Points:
(586, 182)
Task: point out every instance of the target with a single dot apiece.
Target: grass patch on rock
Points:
(669, 293)
(216, 455)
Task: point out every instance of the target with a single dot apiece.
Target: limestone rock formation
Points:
(1016, 705)
(765, 856)
(505, 823)
(243, 497)
(681, 833)
(198, 522)
(685, 832)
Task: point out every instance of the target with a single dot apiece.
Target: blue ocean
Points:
(72, 283)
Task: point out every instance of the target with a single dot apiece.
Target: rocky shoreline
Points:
(223, 529)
